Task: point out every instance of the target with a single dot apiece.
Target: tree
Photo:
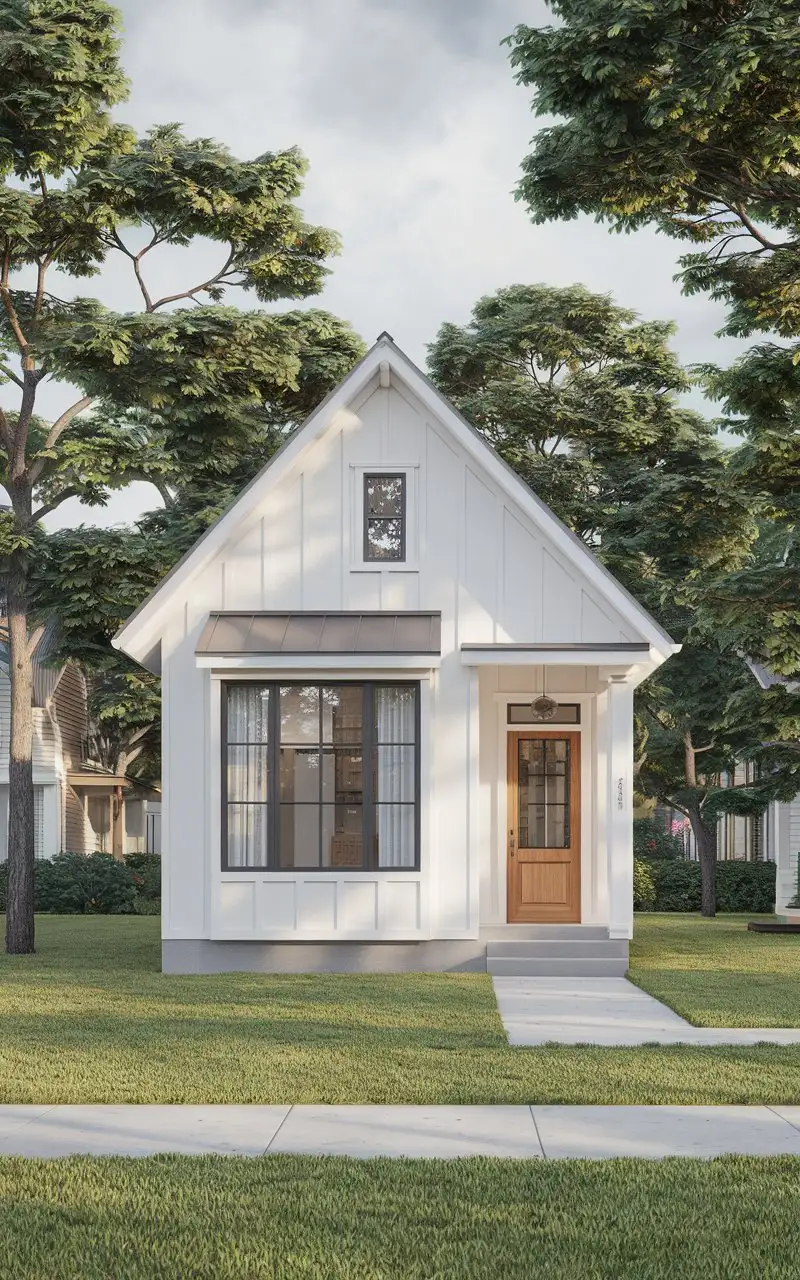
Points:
(686, 116)
(78, 190)
(683, 115)
(697, 718)
(581, 399)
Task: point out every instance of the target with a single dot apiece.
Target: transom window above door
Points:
(320, 777)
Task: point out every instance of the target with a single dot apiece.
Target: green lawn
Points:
(283, 1218)
(715, 973)
(90, 1018)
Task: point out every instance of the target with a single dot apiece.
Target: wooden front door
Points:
(544, 839)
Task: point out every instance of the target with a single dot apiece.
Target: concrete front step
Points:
(559, 948)
(585, 966)
(542, 932)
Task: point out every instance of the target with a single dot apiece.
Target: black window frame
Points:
(384, 475)
(369, 745)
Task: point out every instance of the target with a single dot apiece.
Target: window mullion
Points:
(273, 780)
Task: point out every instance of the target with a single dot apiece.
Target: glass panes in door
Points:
(544, 793)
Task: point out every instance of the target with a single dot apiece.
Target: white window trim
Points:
(357, 562)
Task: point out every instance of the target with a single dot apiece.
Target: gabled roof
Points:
(141, 633)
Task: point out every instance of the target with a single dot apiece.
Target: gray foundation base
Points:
(199, 955)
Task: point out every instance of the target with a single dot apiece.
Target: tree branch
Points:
(34, 639)
(6, 434)
(11, 374)
(189, 293)
(59, 426)
(47, 507)
(752, 228)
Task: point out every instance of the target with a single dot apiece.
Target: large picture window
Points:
(320, 777)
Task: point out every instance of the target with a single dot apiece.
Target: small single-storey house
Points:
(397, 709)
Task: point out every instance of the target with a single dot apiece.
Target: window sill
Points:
(343, 873)
(377, 566)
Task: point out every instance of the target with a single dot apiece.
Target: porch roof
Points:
(606, 654)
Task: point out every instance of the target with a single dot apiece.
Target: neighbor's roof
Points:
(140, 635)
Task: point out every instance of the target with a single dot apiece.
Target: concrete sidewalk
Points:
(517, 1132)
(608, 1011)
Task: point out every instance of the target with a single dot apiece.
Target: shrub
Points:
(85, 883)
(676, 883)
(651, 840)
(644, 890)
(746, 886)
(741, 886)
(146, 870)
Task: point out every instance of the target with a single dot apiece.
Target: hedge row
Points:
(94, 883)
(661, 884)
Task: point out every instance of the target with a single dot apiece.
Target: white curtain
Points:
(395, 715)
(247, 775)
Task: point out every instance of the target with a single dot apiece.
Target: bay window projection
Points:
(320, 777)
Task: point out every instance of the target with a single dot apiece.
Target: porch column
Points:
(620, 807)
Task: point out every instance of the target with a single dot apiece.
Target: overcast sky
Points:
(414, 130)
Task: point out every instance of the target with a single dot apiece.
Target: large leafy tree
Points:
(686, 116)
(582, 400)
(79, 190)
(683, 115)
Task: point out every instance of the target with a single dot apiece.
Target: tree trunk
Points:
(706, 840)
(19, 914)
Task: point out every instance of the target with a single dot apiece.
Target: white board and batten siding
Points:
(474, 555)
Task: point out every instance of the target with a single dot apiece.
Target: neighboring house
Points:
(397, 708)
(781, 823)
(78, 805)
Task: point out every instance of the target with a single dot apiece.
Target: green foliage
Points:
(192, 398)
(77, 883)
(644, 890)
(681, 114)
(651, 840)
(146, 871)
(686, 116)
(740, 886)
(580, 397)
(59, 75)
(676, 884)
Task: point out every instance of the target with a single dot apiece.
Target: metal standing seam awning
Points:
(611, 653)
(305, 635)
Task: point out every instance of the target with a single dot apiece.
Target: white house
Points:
(397, 709)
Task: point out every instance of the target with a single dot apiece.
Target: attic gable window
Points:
(384, 517)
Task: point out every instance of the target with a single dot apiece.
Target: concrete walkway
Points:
(518, 1132)
(608, 1011)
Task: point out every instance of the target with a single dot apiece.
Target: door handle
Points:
(511, 834)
